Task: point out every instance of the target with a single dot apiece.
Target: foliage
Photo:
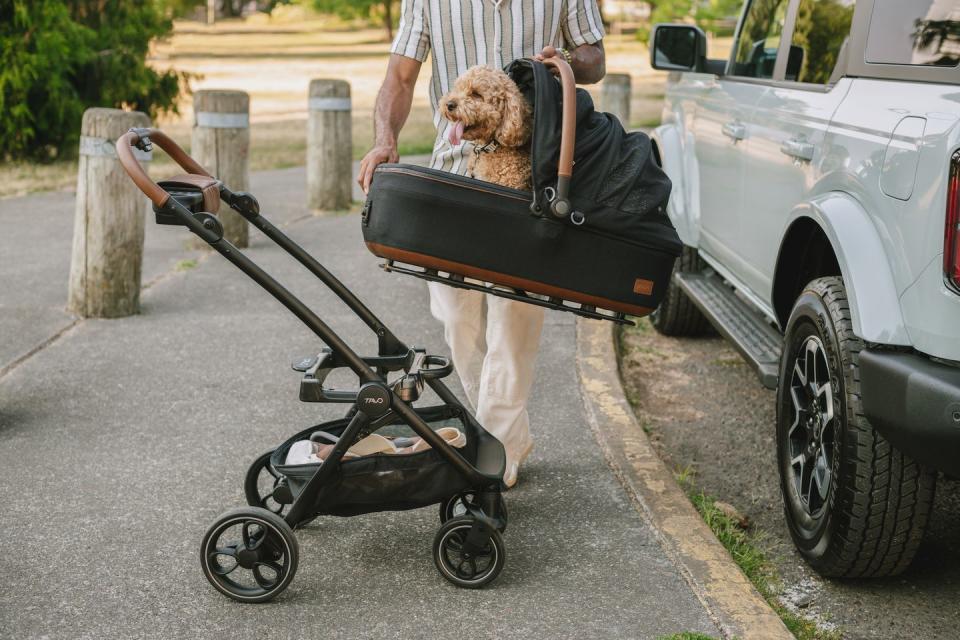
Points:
(382, 11)
(820, 30)
(707, 14)
(59, 57)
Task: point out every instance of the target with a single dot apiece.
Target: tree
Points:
(382, 10)
(59, 57)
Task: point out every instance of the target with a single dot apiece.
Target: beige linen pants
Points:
(494, 343)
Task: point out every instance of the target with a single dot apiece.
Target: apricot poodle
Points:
(487, 109)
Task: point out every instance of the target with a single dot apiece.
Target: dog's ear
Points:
(514, 129)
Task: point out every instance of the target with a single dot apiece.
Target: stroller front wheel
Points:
(249, 554)
(467, 555)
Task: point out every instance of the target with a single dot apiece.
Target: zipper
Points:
(509, 193)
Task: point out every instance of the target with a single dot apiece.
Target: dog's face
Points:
(486, 105)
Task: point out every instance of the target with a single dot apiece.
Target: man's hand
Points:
(377, 155)
(588, 61)
(389, 114)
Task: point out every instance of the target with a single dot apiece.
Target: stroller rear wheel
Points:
(467, 562)
(461, 504)
(249, 554)
(264, 487)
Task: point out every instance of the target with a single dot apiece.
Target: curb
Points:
(736, 607)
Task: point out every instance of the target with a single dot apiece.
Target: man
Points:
(494, 341)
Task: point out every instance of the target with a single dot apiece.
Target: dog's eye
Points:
(475, 94)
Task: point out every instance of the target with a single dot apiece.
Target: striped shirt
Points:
(465, 33)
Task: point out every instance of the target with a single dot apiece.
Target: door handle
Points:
(798, 148)
(734, 130)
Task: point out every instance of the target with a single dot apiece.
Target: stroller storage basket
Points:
(385, 482)
(443, 222)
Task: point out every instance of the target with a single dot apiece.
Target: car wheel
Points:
(855, 506)
(677, 315)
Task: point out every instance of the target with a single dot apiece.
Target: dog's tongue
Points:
(456, 133)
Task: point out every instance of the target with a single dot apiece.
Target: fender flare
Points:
(669, 147)
(871, 290)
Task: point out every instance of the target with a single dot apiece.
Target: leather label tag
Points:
(643, 287)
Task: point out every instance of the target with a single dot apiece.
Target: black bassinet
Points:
(592, 234)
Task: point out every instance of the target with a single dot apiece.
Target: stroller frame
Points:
(468, 548)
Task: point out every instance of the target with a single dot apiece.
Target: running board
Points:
(748, 330)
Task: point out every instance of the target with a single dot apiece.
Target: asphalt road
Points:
(122, 440)
(727, 438)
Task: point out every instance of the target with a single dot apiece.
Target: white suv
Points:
(816, 179)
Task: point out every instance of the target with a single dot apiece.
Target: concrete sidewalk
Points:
(121, 441)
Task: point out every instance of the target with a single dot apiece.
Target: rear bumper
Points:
(915, 403)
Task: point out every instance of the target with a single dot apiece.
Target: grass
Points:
(687, 635)
(744, 550)
(185, 265)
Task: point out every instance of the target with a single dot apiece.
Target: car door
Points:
(723, 134)
(787, 130)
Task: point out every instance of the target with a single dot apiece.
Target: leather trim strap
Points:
(568, 123)
(430, 262)
(209, 187)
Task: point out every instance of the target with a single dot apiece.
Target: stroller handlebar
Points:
(568, 124)
(142, 139)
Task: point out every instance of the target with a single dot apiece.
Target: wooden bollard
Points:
(221, 144)
(329, 145)
(108, 222)
(615, 93)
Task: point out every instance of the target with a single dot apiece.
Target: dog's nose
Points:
(451, 105)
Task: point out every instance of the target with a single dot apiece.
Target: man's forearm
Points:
(391, 111)
(588, 63)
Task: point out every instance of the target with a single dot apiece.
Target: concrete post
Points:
(329, 145)
(615, 94)
(108, 221)
(221, 144)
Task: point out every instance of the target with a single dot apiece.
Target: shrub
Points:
(59, 57)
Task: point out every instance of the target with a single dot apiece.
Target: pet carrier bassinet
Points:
(592, 235)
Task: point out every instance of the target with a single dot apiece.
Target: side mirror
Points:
(678, 47)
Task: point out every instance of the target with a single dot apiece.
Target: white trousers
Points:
(494, 343)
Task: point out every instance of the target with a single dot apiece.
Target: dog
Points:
(487, 109)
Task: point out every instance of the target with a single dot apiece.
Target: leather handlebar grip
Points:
(129, 163)
(568, 123)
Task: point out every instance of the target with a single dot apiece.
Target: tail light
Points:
(951, 232)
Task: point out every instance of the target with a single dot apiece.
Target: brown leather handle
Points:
(568, 123)
(129, 163)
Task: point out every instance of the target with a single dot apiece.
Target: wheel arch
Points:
(833, 235)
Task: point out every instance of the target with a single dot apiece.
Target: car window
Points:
(759, 39)
(819, 39)
(920, 32)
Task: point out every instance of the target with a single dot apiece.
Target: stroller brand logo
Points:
(374, 400)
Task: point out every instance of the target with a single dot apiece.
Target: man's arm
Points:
(389, 115)
(588, 61)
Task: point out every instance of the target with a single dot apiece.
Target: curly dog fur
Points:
(486, 108)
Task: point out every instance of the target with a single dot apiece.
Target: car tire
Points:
(677, 315)
(855, 506)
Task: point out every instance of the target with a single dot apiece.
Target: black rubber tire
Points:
(251, 486)
(878, 500)
(280, 537)
(677, 316)
(497, 553)
(452, 507)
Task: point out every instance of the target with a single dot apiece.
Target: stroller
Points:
(250, 554)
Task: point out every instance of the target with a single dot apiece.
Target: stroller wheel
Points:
(465, 563)
(457, 505)
(249, 554)
(266, 488)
